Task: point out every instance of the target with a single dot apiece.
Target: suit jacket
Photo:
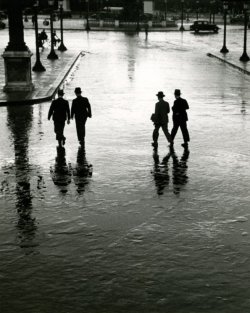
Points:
(179, 110)
(161, 112)
(59, 109)
(81, 108)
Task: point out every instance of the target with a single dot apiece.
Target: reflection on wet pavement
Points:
(114, 226)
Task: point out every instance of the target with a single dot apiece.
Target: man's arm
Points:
(186, 105)
(89, 108)
(72, 110)
(68, 112)
(51, 110)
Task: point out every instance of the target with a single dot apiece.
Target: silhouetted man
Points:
(81, 110)
(180, 117)
(59, 109)
(161, 119)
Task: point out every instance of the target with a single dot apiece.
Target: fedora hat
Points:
(160, 94)
(60, 92)
(177, 92)
(78, 90)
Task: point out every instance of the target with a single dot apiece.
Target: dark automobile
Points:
(2, 25)
(237, 19)
(201, 25)
(3, 15)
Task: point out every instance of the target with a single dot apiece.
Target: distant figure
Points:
(59, 109)
(81, 110)
(43, 36)
(40, 42)
(33, 20)
(160, 119)
(146, 29)
(55, 39)
(180, 118)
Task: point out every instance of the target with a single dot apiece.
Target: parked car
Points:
(203, 25)
(237, 19)
(3, 15)
(2, 25)
(66, 14)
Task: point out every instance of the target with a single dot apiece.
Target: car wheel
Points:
(196, 30)
(216, 30)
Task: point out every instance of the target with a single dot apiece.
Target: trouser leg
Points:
(80, 129)
(174, 130)
(156, 134)
(59, 128)
(165, 130)
(184, 131)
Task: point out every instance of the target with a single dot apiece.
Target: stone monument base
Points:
(17, 66)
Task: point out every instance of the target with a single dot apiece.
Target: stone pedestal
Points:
(17, 71)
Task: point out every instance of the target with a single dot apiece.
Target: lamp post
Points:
(213, 10)
(197, 9)
(138, 16)
(38, 67)
(224, 48)
(87, 16)
(182, 15)
(166, 4)
(210, 14)
(52, 55)
(245, 57)
(62, 46)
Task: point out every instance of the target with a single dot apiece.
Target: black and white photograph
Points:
(124, 159)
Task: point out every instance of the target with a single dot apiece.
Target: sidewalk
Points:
(232, 59)
(45, 83)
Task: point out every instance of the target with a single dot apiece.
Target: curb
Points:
(52, 90)
(229, 63)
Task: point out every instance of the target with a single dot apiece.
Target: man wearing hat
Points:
(180, 117)
(81, 110)
(59, 109)
(161, 119)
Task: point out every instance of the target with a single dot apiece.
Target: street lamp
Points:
(197, 9)
(62, 46)
(213, 10)
(87, 17)
(245, 57)
(224, 48)
(210, 14)
(138, 16)
(182, 16)
(166, 3)
(52, 55)
(38, 67)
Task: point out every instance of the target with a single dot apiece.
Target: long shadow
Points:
(82, 171)
(179, 171)
(61, 172)
(160, 172)
(180, 177)
(19, 121)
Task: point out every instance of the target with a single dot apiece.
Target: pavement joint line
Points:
(211, 55)
(35, 98)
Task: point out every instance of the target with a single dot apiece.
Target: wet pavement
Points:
(118, 227)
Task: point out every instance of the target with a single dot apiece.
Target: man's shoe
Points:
(185, 145)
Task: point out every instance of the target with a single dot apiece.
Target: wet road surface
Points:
(118, 227)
